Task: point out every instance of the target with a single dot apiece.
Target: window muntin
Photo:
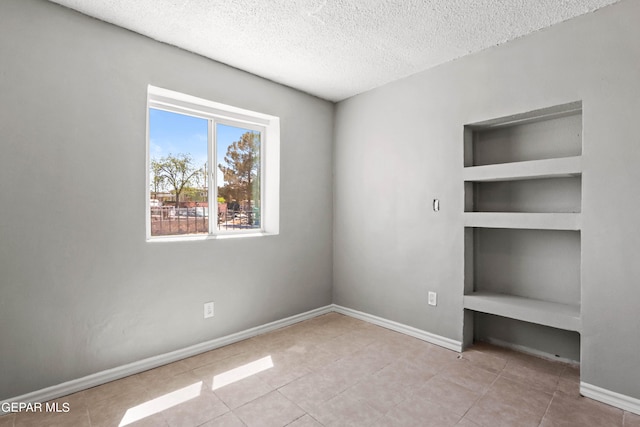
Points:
(219, 153)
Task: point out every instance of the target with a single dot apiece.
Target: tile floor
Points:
(334, 370)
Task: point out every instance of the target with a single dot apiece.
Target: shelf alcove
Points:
(522, 220)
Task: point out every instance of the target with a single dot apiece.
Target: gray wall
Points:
(80, 289)
(400, 146)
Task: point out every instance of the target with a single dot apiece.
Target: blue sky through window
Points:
(173, 133)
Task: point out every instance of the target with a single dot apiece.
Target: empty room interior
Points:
(319, 213)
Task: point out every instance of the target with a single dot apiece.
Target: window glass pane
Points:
(238, 178)
(178, 174)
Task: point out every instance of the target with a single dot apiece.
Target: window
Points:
(212, 169)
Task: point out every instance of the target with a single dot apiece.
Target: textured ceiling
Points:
(334, 49)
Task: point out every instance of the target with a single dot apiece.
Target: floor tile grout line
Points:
(546, 411)
(486, 390)
(293, 421)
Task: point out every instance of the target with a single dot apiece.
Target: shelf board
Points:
(556, 315)
(543, 221)
(541, 114)
(535, 169)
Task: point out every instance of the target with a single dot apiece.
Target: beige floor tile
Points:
(194, 412)
(436, 352)
(209, 372)
(571, 373)
(315, 358)
(565, 411)
(406, 376)
(342, 324)
(305, 421)
(535, 363)
(324, 333)
(306, 335)
(165, 371)
(378, 393)
(335, 370)
(114, 389)
(448, 394)
(294, 348)
(466, 423)
(290, 343)
(272, 409)
(227, 420)
(281, 375)
(74, 402)
(535, 376)
(341, 319)
(291, 346)
(238, 393)
(425, 354)
(213, 356)
(79, 418)
(374, 359)
(345, 410)
(288, 365)
(312, 389)
(156, 420)
(348, 371)
(203, 359)
(418, 412)
(159, 385)
(6, 420)
(250, 345)
(114, 410)
(334, 322)
(631, 420)
(346, 344)
(75, 399)
(390, 348)
(568, 387)
(162, 393)
(492, 349)
(508, 403)
(489, 361)
(468, 375)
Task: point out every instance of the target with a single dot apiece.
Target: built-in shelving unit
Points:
(522, 220)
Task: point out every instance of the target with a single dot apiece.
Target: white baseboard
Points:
(399, 327)
(106, 376)
(609, 397)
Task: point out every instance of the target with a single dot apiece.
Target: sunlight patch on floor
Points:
(161, 403)
(242, 372)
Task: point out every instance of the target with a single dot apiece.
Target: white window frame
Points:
(217, 113)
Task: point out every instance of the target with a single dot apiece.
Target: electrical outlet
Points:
(433, 298)
(208, 309)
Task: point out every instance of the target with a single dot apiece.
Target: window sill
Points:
(208, 237)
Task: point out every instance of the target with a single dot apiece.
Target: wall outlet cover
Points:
(208, 310)
(433, 298)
